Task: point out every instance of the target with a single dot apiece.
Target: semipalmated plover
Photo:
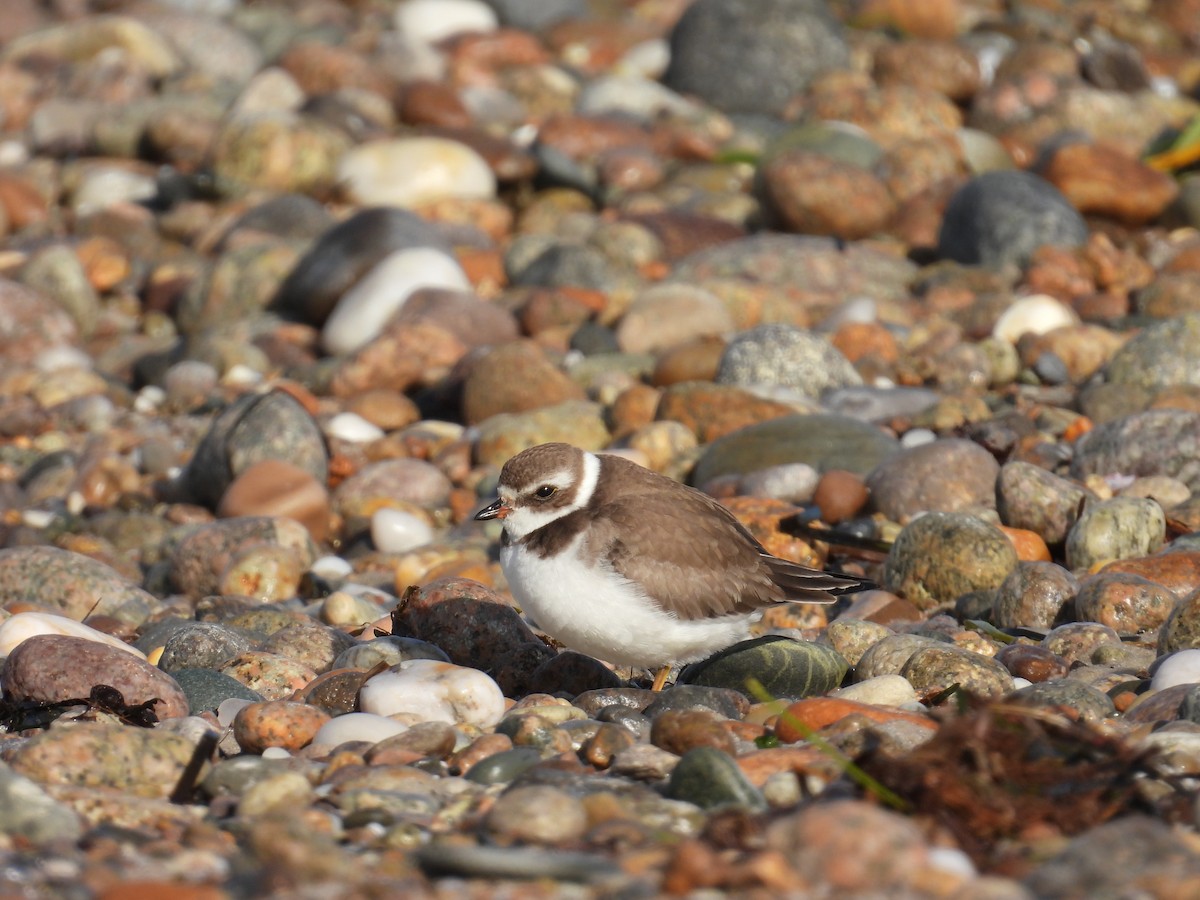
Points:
(628, 566)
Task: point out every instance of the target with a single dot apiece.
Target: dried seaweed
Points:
(21, 715)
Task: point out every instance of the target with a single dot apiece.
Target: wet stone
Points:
(1081, 700)
(206, 689)
(783, 667)
(711, 780)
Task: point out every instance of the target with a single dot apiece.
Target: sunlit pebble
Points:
(430, 21)
(275, 753)
(149, 399)
(37, 518)
(353, 428)
(13, 153)
(917, 437)
(395, 531)
(239, 375)
(431, 691)
(357, 726)
(649, 59)
(76, 503)
(953, 861)
(1019, 683)
(793, 482)
(58, 358)
(22, 626)
(331, 568)
(1178, 668)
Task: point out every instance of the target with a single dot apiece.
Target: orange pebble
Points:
(1029, 544)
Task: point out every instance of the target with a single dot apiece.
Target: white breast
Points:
(592, 609)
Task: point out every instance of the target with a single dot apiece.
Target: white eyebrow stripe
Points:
(588, 481)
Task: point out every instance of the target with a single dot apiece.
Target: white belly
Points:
(594, 610)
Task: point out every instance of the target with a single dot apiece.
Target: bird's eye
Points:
(545, 492)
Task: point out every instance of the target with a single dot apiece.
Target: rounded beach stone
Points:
(357, 726)
(1033, 663)
(1160, 355)
(1181, 667)
(254, 428)
(888, 656)
(18, 628)
(949, 475)
(1084, 701)
(819, 440)
(787, 356)
(309, 643)
(538, 814)
(1029, 497)
(1034, 595)
(937, 667)
(681, 730)
(668, 315)
(782, 666)
(752, 57)
(941, 556)
(70, 583)
(202, 645)
(1127, 603)
(410, 171)
(141, 762)
(515, 377)
(1119, 528)
(432, 691)
(30, 814)
(277, 723)
(55, 668)
(711, 779)
(275, 487)
(1000, 218)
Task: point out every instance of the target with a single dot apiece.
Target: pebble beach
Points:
(912, 288)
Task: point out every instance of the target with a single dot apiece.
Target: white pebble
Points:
(103, 187)
(62, 356)
(16, 629)
(1178, 668)
(275, 753)
(359, 726)
(397, 531)
(407, 172)
(331, 567)
(431, 691)
(149, 399)
(916, 437)
(241, 375)
(430, 21)
(353, 428)
(363, 310)
(1019, 682)
(1035, 314)
(882, 690)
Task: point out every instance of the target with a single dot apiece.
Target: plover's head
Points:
(542, 484)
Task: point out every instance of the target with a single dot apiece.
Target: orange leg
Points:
(660, 678)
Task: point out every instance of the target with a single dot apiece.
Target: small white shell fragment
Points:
(16, 629)
(359, 726)
(1035, 314)
(433, 691)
